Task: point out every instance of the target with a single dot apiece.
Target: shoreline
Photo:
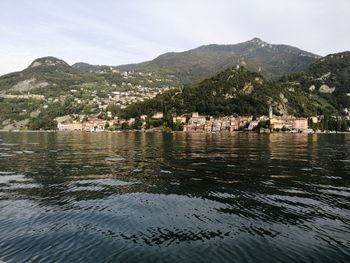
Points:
(160, 131)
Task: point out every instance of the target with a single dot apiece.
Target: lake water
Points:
(153, 197)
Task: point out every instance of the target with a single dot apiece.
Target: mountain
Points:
(50, 76)
(328, 77)
(49, 88)
(45, 76)
(233, 91)
(203, 62)
(322, 88)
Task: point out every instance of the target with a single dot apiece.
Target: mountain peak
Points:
(48, 61)
(257, 41)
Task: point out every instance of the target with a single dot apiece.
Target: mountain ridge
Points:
(205, 61)
(197, 64)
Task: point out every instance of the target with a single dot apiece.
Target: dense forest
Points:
(234, 91)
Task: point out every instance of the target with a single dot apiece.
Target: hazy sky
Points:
(119, 32)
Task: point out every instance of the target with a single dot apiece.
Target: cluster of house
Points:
(135, 94)
(133, 89)
(91, 125)
(94, 124)
(209, 124)
(194, 123)
(199, 123)
(28, 96)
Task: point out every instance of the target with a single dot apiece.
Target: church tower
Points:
(270, 111)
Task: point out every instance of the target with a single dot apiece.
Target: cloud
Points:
(120, 32)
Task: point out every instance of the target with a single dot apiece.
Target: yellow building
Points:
(276, 123)
(179, 119)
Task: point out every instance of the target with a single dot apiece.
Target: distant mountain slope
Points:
(88, 67)
(203, 62)
(53, 77)
(50, 87)
(46, 74)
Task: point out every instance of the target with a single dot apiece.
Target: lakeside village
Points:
(195, 123)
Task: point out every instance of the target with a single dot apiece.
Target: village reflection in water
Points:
(146, 192)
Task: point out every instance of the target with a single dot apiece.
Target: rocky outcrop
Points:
(15, 125)
(35, 113)
(248, 88)
(28, 84)
(326, 89)
(283, 98)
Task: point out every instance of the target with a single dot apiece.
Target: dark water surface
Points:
(136, 197)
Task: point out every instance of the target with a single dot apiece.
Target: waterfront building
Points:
(158, 116)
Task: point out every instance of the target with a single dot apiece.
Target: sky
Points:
(115, 32)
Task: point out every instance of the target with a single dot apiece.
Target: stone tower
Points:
(270, 111)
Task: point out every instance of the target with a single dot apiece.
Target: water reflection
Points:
(197, 197)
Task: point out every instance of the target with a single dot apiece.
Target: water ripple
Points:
(153, 197)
